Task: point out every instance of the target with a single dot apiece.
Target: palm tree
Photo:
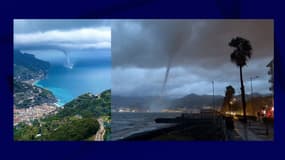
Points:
(241, 54)
(230, 91)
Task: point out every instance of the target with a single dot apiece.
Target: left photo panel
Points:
(62, 80)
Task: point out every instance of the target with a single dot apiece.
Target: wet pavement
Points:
(254, 131)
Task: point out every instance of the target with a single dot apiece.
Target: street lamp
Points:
(231, 103)
(251, 95)
(213, 87)
(252, 78)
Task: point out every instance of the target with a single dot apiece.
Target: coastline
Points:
(127, 124)
(58, 104)
(62, 95)
(36, 83)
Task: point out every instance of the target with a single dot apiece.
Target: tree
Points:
(241, 54)
(230, 91)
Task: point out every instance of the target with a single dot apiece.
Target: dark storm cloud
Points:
(199, 54)
(142, 43)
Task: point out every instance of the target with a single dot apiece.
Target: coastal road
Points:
(101, 132)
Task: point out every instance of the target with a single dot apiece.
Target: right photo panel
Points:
(192, 80)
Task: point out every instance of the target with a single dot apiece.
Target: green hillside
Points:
(88, 105)
(76, 121)
(27, 95)
(27, 67)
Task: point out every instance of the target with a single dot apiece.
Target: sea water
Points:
(87, 75)
(125, 124)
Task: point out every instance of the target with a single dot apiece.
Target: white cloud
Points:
(104, 44)
(182, 81)
(82, 38)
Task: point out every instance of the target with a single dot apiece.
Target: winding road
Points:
(101, 132)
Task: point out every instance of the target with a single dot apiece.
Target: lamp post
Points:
(230, 107)
(232, 101)
(251, 95)
(213, 86)
(214, 108)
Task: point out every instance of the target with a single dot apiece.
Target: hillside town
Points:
(27, 115)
